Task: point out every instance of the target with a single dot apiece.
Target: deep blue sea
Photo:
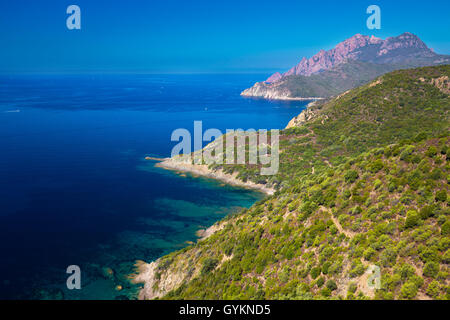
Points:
(75, 188)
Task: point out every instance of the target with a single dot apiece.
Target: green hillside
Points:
(396, 106)
(363, 184)
(334, 81)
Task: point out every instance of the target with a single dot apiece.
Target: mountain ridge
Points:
(404, 51)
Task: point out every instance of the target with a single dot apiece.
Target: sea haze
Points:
(74, 185)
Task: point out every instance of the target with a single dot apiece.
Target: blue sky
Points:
(198, 35)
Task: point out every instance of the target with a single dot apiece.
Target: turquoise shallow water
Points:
(74, 185)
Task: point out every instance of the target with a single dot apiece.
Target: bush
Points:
(377, 184)
(421, 136)
(356, 210)
(430, 254)
(426, 212)
(320, 282)
(326, 292)
(331, 285)
(388, 257)
(446, 257)
(392, 186)
(315, 272)
(369, 253)
(431, 269)
(441, 196)
(409, 290)
(209, 264)
(351, 176)
(406, 153)
(445, 228)
(433, 289)
(431, 152)
(357, 270)
(412, 219)
(376, 166)
(352, 287)
(406, 271)
(436, 174)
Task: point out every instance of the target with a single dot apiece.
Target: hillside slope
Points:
(363, 184)
(338, 79)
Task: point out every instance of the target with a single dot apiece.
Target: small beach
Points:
(204, 171)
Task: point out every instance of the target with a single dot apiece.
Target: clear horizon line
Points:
(12, 73)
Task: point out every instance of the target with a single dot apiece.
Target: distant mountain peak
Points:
(362, 48)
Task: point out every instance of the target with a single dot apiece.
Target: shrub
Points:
(228, 249)
(388, 257)
(431, 269)
(405, 155)
(392, 186)
(377, 183)
(351, 176)
(446, 257)
(376, 166)
(433, 289)
(412, 219)
(429, 254)
(369, 253)
(431, 152)
(352, 287)
(357, 270)
(331, 285)
(326, 292)
(315, 272)
(209, 264)
(320, 282)
(409, 290)
(441, 196)
(436, 174)
(426, 212)
(445, 228)
(444, 244)
(421, 136)
(356, 210)
(406, 271)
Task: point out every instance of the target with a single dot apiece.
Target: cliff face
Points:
(277, 91)
(306, 115)
(404, 51)
(267, 92)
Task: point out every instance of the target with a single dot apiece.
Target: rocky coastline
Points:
(273, 92)
(158, 283)
(203, 170)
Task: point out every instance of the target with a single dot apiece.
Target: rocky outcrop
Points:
(274, 78)
(442, 83)
(305, 116)
(406, 40)
(162, 276)
(263, 91)
(272, 92)
(168, 273)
